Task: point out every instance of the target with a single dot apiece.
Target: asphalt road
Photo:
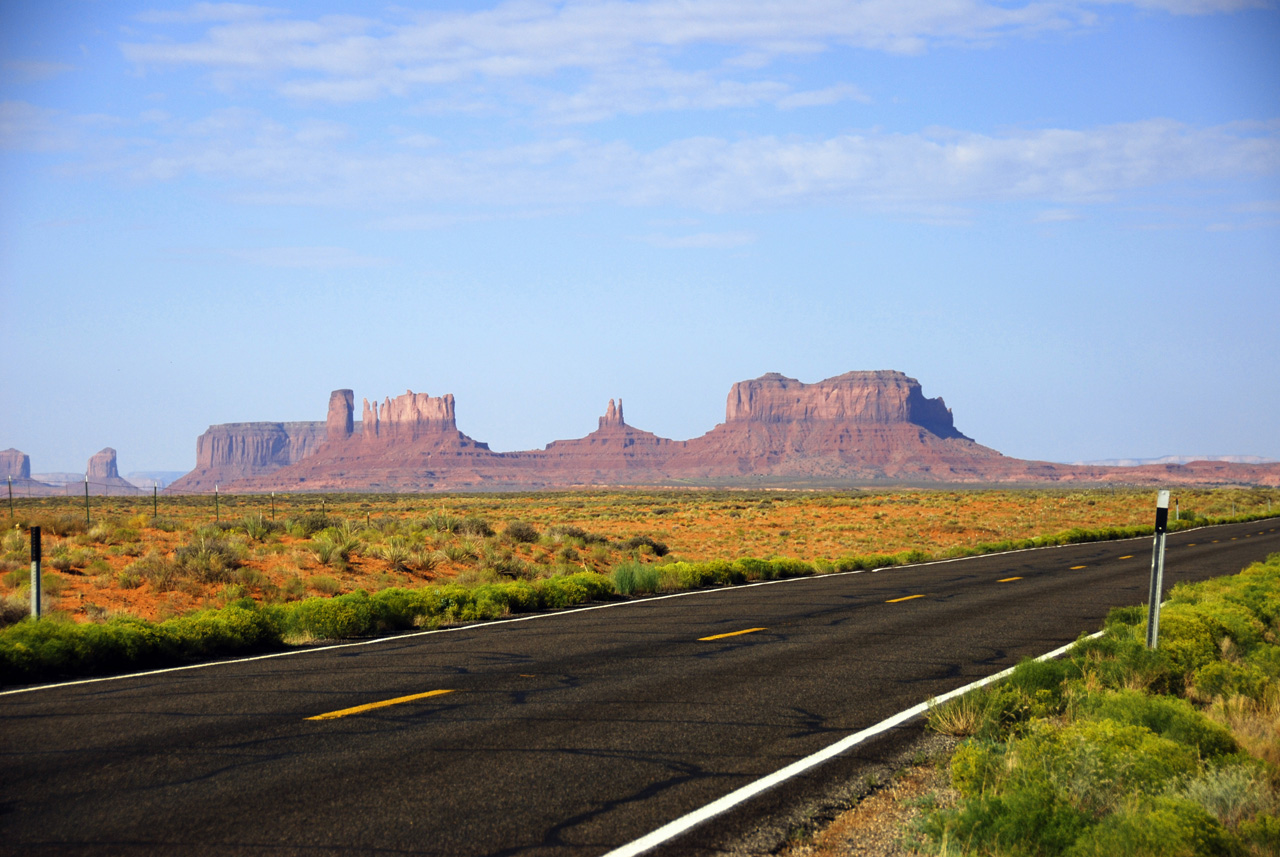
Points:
(567, 734)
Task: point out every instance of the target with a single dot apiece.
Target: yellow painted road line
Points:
(730, 634)
(904, 598)
(1130, 556)
(360, 709)
(1008, 580)
(1193, 544)
(1078, 567)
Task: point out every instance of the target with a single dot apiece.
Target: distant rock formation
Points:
(340, 424)
(102, 477)
(612, 416)
(233, 451)
(15, 464)
(407, 418)
(856, 428)
(15, 476)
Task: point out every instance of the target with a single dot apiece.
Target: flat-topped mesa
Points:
(612, 416)
(409, 417)
(873, 398)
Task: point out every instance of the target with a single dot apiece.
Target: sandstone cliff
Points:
(233, 451)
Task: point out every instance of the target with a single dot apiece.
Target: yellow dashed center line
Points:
(1078, 567)
(730, 634)
(1008, 579)
(1191, 545)
(1130, 556)
(360, 709)
(904, 598)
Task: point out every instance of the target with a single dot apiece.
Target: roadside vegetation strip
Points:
(40, 650)
(1118, 749)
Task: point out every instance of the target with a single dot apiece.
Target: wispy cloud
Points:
(263, 161)
(638, 56)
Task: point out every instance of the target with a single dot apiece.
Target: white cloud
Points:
(262, 161)
(632, 54)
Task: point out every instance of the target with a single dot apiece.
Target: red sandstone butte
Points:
(854, 428)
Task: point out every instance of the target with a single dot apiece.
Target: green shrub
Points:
(1021, 823)
(474, 525)
(332, 618)
(1170, 717)
(1263, 834)
(1186, 638)
(1231, 793)
(563, 532)
(635, 578)
(325, 584)
(1225, 679)
(1157, 827)
(162, 574)
(441, 522)
(658, 548)
(572, 589)
(521, 531)
(976, 767)
(308, 524)
(208, 559)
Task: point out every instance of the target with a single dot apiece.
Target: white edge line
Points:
(681, 825)
(411, 634)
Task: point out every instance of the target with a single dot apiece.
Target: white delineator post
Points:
(35, 572)
(1157, 570)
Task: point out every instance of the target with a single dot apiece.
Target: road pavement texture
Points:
(571, 733)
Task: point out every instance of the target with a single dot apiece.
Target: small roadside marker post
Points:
(155, 501)
(87, 522)
(217, 513)
(11, 501)
(35, 572)
(1157, 570)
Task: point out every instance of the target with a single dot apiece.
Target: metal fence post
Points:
(35, 572)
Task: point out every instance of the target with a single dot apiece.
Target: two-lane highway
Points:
(571, 733)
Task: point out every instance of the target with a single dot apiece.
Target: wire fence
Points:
(26, 500)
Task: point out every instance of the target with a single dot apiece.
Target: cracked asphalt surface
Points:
(568, 734)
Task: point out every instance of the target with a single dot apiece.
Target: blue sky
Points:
(1063, 217)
